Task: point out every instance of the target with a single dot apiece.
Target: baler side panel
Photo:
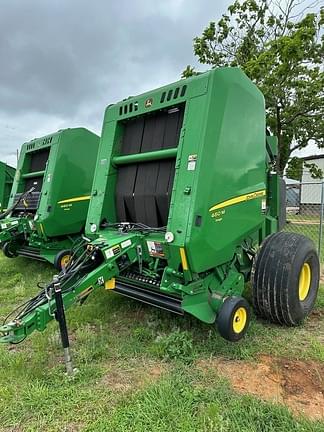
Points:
(186, 171)
(2, 184)
(22, 166)
(69, 182)
(7, 174)
(102, 200)
(230, 165)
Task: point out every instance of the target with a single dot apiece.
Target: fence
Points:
(304, 211)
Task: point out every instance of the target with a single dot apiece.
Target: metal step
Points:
(30, 252)
(150, 297)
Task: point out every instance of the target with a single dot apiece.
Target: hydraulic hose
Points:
(12, 208)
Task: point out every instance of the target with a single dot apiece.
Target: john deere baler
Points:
(7, 174)
(50, 196)
(184, 210)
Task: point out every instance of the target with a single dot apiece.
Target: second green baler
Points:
(50, 196)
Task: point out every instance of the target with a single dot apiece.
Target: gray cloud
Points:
(62, 62)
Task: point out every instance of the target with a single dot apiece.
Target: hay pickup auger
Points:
(50, 196)
(185, 209)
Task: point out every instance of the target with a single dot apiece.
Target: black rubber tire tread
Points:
(226, 315)
(59, 256)
(7, 252)
(275, 278)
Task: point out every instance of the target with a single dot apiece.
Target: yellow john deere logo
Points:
(148, 103)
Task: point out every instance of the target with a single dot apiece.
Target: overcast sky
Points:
(64, 61)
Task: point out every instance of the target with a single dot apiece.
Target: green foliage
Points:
(295, 168)
(314, 170)
(188, 72)
(177, 345)
(281, 50)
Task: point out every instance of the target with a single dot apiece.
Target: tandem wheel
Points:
(233, 318)
(62, 259)
(285, 278)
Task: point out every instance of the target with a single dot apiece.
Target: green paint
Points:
(68, 174)
(223, 132)
(7, 174)
(145, 157)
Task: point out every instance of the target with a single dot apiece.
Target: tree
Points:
(296, 167)
(281, 48)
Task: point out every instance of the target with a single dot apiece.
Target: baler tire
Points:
(7, 252)
(59, 258)
(285, 278)
(233, 318)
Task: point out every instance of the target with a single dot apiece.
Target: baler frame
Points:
(217, 234)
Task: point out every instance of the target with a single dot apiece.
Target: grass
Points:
(137, 368)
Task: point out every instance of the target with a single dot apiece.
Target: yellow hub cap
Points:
(65, 260)
(304, 281)
(239, 320)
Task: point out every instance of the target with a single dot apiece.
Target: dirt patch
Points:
(317, 316)
(133, 376)
(72, 427)
(297, 384)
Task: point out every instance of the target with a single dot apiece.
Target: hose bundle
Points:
(21, 198)
(74, 268)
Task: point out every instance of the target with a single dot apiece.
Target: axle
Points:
(121, 252)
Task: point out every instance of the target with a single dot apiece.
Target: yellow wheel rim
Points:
(239, 320)
(304, 281)
(65, 260)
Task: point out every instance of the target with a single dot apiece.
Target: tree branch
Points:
(298, 114)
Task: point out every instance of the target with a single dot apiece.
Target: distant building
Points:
(311, 188)
(292, 195)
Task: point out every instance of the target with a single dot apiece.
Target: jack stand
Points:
(60, 317)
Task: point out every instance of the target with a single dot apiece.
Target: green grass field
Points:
(141, 369)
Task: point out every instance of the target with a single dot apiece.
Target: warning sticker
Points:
(192, 159)
(125, 243)
(112, 251)
(155, 249)
(264, 204)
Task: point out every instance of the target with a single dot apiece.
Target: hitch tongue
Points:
(60, 318)
(7, 334)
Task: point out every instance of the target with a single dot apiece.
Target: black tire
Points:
(8, 251)
(58, 261)
(280, 263)
(228, 318)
